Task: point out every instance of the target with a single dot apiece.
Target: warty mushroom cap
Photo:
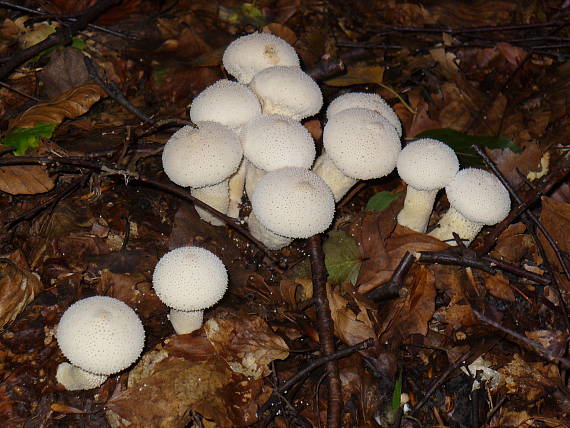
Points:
(100, 334)
(479, 196)
(249, 54)
(287, 91)
(293, 202)
(271, 142)
(361, 143)
(190, 279)
(427, 164)
(367, 101)
(226, 102)
(201, 157)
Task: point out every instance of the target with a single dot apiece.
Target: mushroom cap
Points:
(368, 101)
(271, 142)
(427, 164)
(201, 157)
(190, 279)
(293, 202)
(479, 196)
(288, 91)
(361, 143)
(226, 102)
(248, 55)
(100, 334)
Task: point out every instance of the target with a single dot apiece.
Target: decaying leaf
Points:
(529, 380)
(359, 76)
(352, 326)
(555, 216)
(25, 180)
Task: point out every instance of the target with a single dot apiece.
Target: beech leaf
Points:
(359, 76)
(28, 138)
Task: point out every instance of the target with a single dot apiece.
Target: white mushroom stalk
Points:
(287, 91)
(291, 203)
(204, 158)
(426, 165)
(477, 198)
(248, 55)
(189, 280)
(100, 336)
(360, 144)
(236, 185)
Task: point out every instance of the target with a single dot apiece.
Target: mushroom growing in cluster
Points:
(100, 336)
(189, 280)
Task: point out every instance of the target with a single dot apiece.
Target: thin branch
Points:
(482, 29)
(393, 288)
(19, 92)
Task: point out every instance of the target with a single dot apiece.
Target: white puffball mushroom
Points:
(249, 54)
(100, 336)
(229, 103)
(189, 279)
(287, 91)
(476, 198)
(185, 322)
(367, 101)
(203, 158)
(359, 144)
(426, 165)
(272, 142)
(292, 203)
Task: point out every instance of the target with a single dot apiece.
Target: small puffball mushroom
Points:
(368, 101)
(272, 142)
(476, 198)
(360, 144)
(292, 203)
(189, 279)
(100, 336)
(226, 102)
(248, 55)
(426, 165)
(287, 91)
(203, 158)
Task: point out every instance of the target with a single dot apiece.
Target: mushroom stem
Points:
(73, 378)
(454, 221)
(217, 196)
(335, 179)
(252, 176)
(417, 209)
(185, 322)
(236, 185)
(268, 238)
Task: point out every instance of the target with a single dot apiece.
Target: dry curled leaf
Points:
(352, 326)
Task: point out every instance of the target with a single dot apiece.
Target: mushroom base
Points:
(185, 322)
(268, 238)
(339, 183)
(417, 209)
(252, 177)
(217, 196)
(74, 379)
(453, 221)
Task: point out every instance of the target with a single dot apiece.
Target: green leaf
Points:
(246, 13)
(462, 144)
(381, 200)
(79, 44)
(397, 394)
(25, 138)
(342, 258)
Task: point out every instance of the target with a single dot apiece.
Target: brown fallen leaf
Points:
(529, 381)
(359, 76)
(25, 180)
(350, 326)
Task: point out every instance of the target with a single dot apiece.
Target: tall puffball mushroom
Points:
(359, 144)
(476, 198)
(290, 203)
(248, 55)
(203, 158)
(367, 101)
(272, 142)
(287, 91)
(426, 165)
(189, 280)
(100, 336)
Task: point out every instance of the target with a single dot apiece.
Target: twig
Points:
(22, 93)
(393, 288)
(483, 29)
(325, 330)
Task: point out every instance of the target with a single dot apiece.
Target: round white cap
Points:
(361, 143)
(271, 142)
(368, 101)
(190, 279)
(201, 157)
(100, 334)
(287, 91)
(427, 164)
(248, 55)
(293, 202)
(479, 196)
(226, 102)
